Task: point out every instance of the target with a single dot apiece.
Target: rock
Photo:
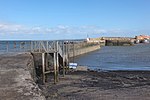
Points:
(82, 68)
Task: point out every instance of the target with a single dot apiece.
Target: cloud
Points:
(13, 28)
(59, 32)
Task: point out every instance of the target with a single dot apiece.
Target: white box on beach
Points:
(73, 65)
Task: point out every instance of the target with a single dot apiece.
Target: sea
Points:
(135, 57)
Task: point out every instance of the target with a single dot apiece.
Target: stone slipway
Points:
(16, 81)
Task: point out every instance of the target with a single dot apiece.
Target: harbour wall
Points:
(83, 51)
(113, 41)
(82, 48)
(118, 43)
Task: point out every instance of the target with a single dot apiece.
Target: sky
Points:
(73, 19)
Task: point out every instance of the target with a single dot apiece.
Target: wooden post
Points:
(31, 46)
(39, 44)
(20, 46)
(64, 54)
(68, 53)
(55, 68)
(47, 48)
(43, 67)
(46, 65)
(47, 54)
(73, 52)
(7, 46)
(57, 62)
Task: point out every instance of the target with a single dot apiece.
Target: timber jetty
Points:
(49, 57)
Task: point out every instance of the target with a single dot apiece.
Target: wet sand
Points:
(91, 85)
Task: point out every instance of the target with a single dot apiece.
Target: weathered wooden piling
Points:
(7, 46)
(57, 62)
(64, 58)
(43, 67)
(55, 68)
(46, 64)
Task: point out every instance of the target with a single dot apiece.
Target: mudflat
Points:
(92, 85)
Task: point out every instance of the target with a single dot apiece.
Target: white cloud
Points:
(13, 28)
(60, 31)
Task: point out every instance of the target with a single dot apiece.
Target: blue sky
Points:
(73, 19)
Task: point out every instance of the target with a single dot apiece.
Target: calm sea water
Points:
(118, 58)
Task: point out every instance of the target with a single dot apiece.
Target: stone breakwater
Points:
(17, 78)
(83, 51)
(113, 41)
(82, 48)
